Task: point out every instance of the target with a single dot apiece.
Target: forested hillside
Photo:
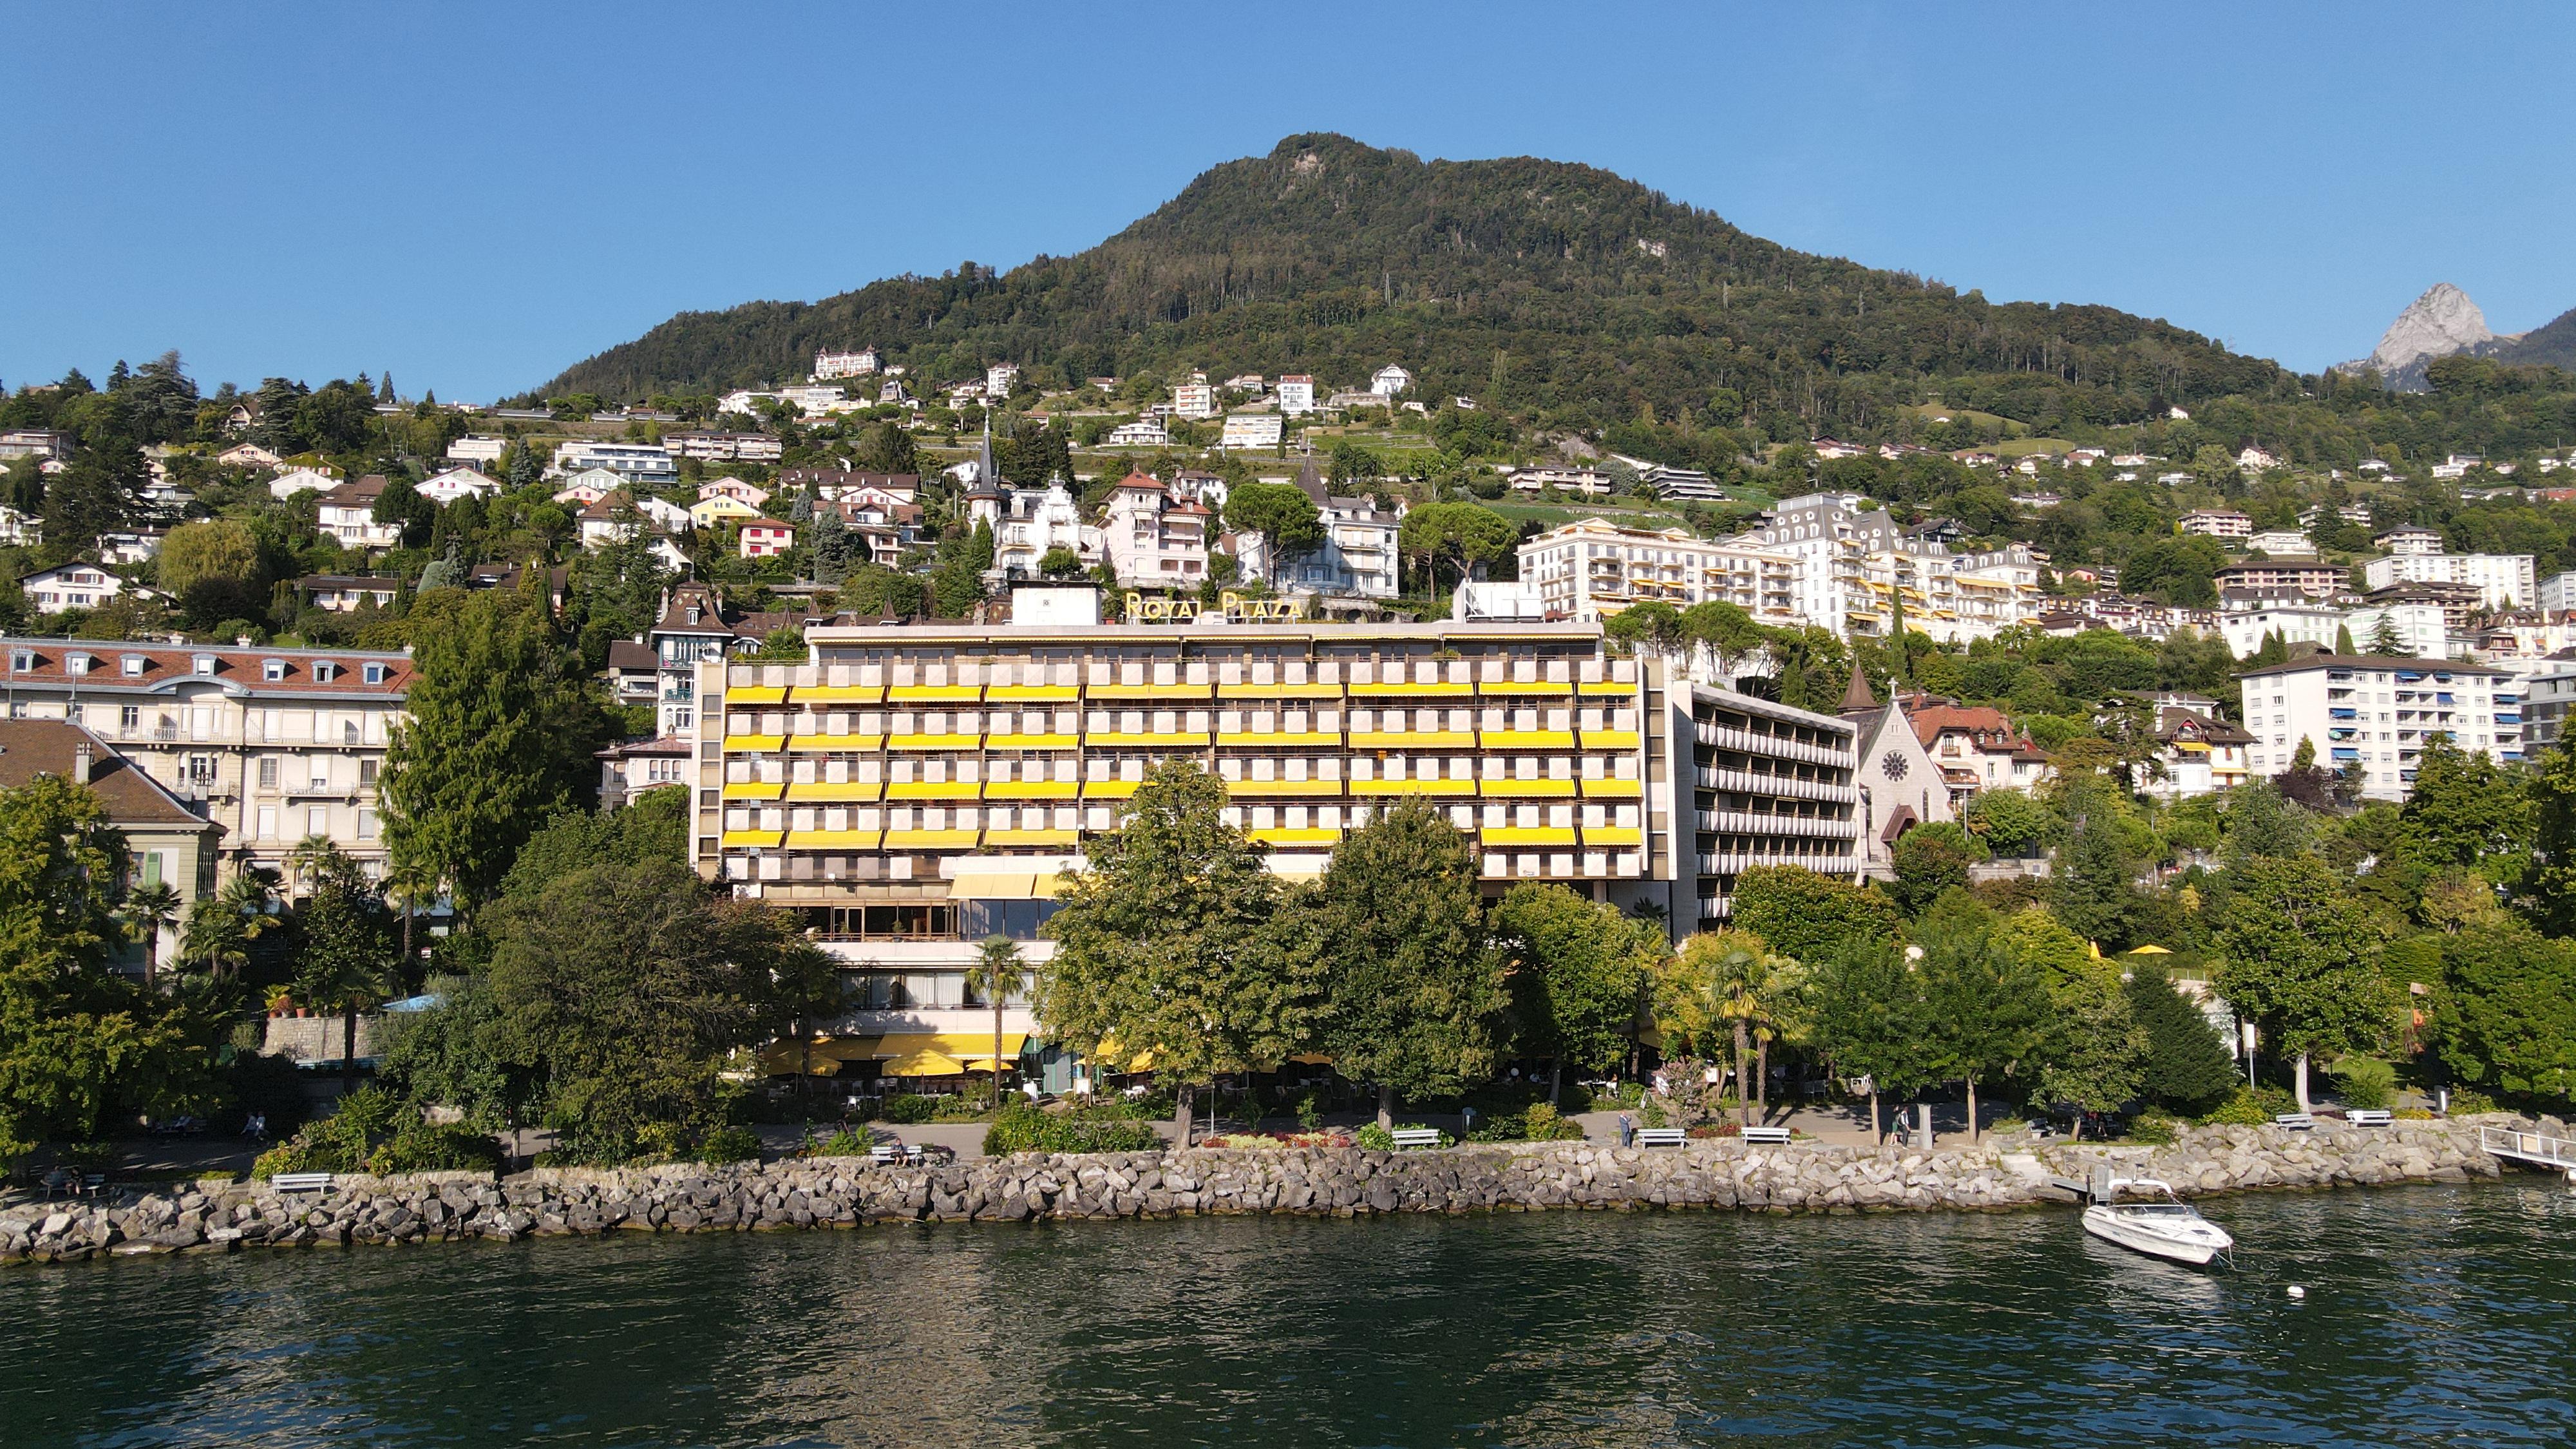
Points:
(1574, 297)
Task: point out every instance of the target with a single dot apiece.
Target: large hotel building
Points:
(912, 790)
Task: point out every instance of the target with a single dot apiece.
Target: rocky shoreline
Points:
(221, 1216)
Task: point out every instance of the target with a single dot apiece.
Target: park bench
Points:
(2367, 1117)
(892, 1152)
(1416, 1139)
(2296, 1122)
(301, 1182)
(1767, 1136)
(1659, 1137)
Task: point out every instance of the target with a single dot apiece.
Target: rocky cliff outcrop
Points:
(2438, 324)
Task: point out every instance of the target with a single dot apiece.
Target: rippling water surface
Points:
(2432, 1315)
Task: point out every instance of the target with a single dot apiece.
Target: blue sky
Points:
(476, 196)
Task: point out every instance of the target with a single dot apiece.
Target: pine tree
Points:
(2187, 1067)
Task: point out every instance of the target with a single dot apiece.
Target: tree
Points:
(500, 729)
(2094, 1050)
(213, 567)
(1988, 1010)
(2465, 814)
(2548, 892)
(2008, 822)
(2505, 1015)
(221, 927)
(1413, 985)
(1467, 535)
(1810, 917)
(2090, 886)
(1280, 512)
(2262, 821)
(1171, 944)
(890, 450)
(2384, 640)
(1578, 970)
(997, 973)
(79, 1044)
(1653, 626)
(2186, 1067)
(1754, 992)
(149, 910)
(620, 990)
(1930, 859)
(2299, 960)
(1354, 465)
(345, 954)
(1872, 1021)
(1060, 562)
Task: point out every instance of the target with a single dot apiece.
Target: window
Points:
(133, 666)
(201, 769)
(129, 718)
(268, 772)
(373, 674)
(324, 671)
(366, 772)
(272, 669)
(268, 822)
(366, 825)
(317, 820)
(76, 663)
(22, 661)
(202, 664)
(348, 732)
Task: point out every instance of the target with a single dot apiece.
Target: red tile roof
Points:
(239, 670)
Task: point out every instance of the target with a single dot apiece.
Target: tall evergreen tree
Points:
(2187, 1067)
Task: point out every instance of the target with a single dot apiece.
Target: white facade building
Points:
(1194, 400)
(1591, 569)
(2506, 579)
(646, 463)
(1153, 539)
(1390, 380)
(1358, 558)
(2557, 593)
(1296, 394)
(1035, 523)
(2215, 523)
(2378, 713)
(2411, 540)
(1252, 430)
(476, 449)
(445, 488)
(2282, 540)
(71, 586)
(829, 365)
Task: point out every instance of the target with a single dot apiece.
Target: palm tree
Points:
(149, 910)
(411, 882)
(1755, 993)
(999, 971)
(222, 926)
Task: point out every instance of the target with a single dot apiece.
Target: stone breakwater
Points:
(219, 1215)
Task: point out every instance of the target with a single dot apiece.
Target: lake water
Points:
(2432, 1315)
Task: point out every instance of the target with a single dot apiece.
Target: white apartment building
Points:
(476, 449)
(829, 365)
(2548, 697)
(2215, 523)
(348, 514)
(1144, 433)
(1033, 523)
(1000, 378)
(725, 447)
(302, 480)
(2419, 629)
(1852, 562)
(1252, 430)
(1153, 539)
(1589, 570)
(1296, 395)
(2378, 713)
(2557, 594)
(1194, 400)
(2411, 540)
(1590, 482)
(2506, 579)
(1358, 558)
(2246, 629)
(2282, 540)
(273, 744)
(650, 464)
(1390, 380)
(72, 586)
(446, 487)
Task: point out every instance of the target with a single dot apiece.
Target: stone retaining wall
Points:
(218, 1215)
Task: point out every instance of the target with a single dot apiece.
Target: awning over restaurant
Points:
(925, 1064)
(989, 883)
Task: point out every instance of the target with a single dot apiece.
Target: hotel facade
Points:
(910, 791)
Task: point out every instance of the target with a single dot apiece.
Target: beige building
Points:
(1590, 569)
(272, 744)
(913, 789)
(168, 842)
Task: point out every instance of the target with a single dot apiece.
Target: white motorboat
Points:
(2164, 1225)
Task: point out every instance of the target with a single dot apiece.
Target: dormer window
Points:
(22, 661)
(373, 673)
(201, 664)
(133, 666)
(76, 663)
(324, 671)
(272, 669)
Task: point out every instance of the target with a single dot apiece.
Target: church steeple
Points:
(1857, 698)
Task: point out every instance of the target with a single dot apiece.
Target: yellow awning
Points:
(925, 1064)
(2147, 951)
(1312, 1059)
(966, 1046)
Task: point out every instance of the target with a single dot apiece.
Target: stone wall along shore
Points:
(220, 1215)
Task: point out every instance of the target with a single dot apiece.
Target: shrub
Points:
(2153, 1129)
(729, 1144)
(1021, 1126)
(1543, 1124)
(1373, 1138)
(1650, 1113)
(2365, 1082)
(436, 1147)
(1717, 1129)
(2244, 1109)
(904, 1108)
(2465, 1100)
(844, 1143)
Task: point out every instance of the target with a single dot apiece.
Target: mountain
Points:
(2445, 323)
(1560, 291)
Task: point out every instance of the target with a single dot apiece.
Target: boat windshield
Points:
(2165, 1209)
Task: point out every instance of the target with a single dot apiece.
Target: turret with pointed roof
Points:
(1857, 698)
